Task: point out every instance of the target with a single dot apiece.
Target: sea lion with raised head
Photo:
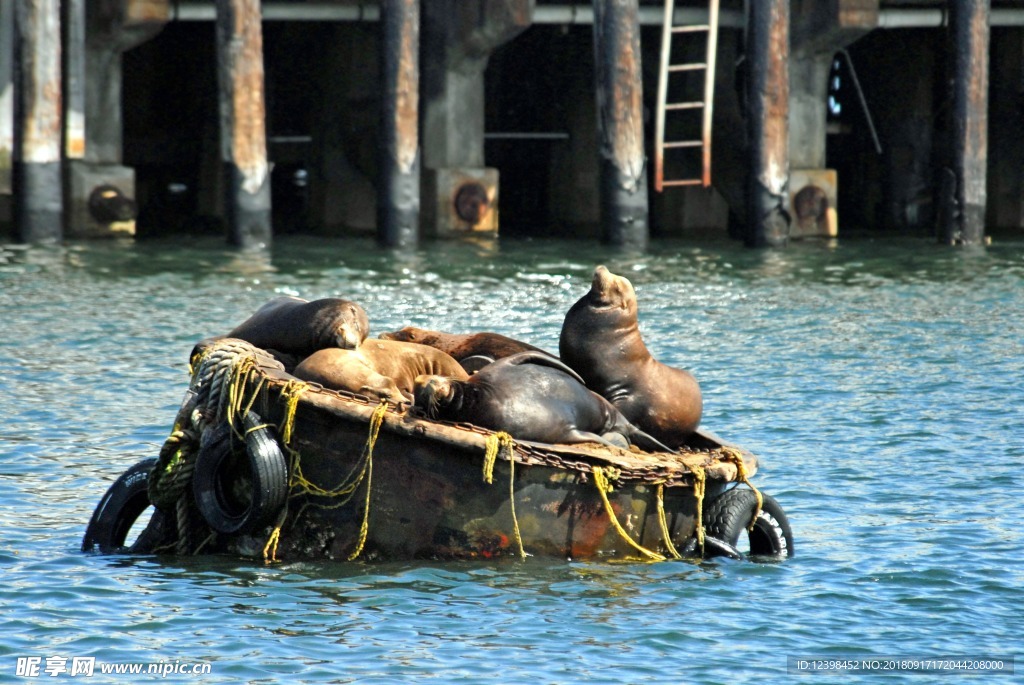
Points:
(460, 346)
(601, 340)
(531, 396)
(379, 368)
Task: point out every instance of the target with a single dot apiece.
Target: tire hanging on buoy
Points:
(119, 508)
(236, 490)
(730, 514)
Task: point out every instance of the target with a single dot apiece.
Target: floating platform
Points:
(263, 465)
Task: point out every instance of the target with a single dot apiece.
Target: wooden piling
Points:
(623, 174)
(767, 122)
(398, 188)
(963, 197)
(243, 133)
(36, 169)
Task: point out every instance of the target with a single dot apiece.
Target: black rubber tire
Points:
(119, 508)
(729, 515)
(222, 466)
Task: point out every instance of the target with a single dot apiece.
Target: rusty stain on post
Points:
(398, 193)
(243, 114)
(624, 213)
(38, 122)
(768, 121)
(964, 222)
(407, 105)
(74, 78)
(40, 119)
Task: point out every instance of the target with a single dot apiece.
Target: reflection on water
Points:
(880, 382)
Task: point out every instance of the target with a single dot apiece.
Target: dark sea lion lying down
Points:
(296, 327)
(531, 396)
(460, 346)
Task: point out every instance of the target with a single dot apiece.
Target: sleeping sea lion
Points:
(601, 340)
(461, 346)
(531, 396)
(380, 368)
(295, 326)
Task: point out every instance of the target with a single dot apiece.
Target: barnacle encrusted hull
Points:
(376, 481)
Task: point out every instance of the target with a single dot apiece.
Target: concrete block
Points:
(812, 203)
(459, 201)
(92, 182)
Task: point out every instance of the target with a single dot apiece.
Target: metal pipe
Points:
(38, 122)
(398, 191)
(620, 128)
(243, 131)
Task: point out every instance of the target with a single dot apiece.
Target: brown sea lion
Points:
(380, 368)
(601, 340)
(531, 396)
(461, 346)
(297, 327)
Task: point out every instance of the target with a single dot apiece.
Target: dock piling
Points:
(36, 169)
(398, 193)
(623, 172)
(768, 122)
(243, 122)
(963, 221)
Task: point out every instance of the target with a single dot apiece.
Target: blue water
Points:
(880, 382)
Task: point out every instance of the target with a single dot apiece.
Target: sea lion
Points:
(380, 368)
(601, 340)
(461, 346)
(531, 396)
(294, 326)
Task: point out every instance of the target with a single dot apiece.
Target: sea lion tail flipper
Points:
(474, 363)
(575, 436)
(540, 359)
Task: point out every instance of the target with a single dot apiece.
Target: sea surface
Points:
(880, 382)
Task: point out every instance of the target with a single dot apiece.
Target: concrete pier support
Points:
(768, 122)
(243, 134)
(398, 196)
(619, 87)
(460, 194)
(6, 105)
(962, 196)
(36, 169)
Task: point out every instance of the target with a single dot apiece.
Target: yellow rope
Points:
(603, 487)
(502, 441)
(270, 549)
(736, 457)
(700, 483)
(375, 422)
(663, 522)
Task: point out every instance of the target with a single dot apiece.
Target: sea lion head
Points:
(349, 327)
(608, 291)
(433, 394)
(407, 334)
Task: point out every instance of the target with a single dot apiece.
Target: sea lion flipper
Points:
(649, 442)
(540, 359)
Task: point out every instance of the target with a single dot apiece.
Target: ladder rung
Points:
(693, 66)
(684, 105)
(684, 182)
(684, 143)
(692, 28)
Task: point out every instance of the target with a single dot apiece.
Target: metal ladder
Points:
(671, 30)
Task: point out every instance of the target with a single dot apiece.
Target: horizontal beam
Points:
(892, 18)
